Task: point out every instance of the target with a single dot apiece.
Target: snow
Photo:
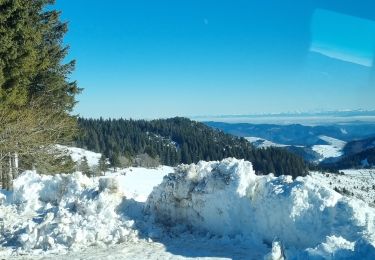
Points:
(331, 150)
(60, 213)
(209, 210)
(263, 143)
(77, 154)
(343, 131)
(358, 183)
(227, 199)
(176, 248)
(276, 253)
(137, 183)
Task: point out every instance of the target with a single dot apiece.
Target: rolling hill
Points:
(180, 140)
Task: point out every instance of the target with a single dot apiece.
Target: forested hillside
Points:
(358, 146)
(179, 140)
(363, 159)
(357, 154)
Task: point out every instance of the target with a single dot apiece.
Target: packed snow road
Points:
(184, 247)
(212, 210)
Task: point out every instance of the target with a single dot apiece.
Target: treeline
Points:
(179, 140)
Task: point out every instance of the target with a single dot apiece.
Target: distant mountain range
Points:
(327, 145)
(343, 112)
(306, 118)
(297, 134)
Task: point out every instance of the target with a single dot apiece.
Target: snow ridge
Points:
(217, 203)
(63, 212)
(226, 198)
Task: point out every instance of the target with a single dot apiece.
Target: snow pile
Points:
(227, 199)
(218, 209)
(62, 212)
(276, 252)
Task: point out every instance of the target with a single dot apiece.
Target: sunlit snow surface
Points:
(358, 183)
(77, 154)
(212, 210)
(263, 143)
(331, 150)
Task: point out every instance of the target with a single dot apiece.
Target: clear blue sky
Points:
(149, 59)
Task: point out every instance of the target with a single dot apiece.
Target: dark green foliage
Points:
(36, 95)
(180, 140)
(32, 54)
(114, 160)
(357, 146)
(84, 167)
(357, 154)
(343, 191)
(48, 163)
(353, 161)
(103, 166)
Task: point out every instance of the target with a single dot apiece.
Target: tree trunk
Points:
(3, 169)
(9, 173)
(15, 165)
(1, 172)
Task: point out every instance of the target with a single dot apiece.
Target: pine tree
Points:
(35, 96)
(114, 160)
(103, 165)
(84, 167)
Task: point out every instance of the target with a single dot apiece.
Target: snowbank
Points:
(226, 198)
(211, 208)
(66, 212)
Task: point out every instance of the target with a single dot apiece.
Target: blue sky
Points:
(151, 59)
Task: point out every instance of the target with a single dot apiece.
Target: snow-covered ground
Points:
(212, 210)
(226, 198)
(61, 213)
(77, 154)
(331, 150)
(263, 143)
(357, 183)
(137, 183)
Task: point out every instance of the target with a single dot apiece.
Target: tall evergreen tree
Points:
(84, 167)
(103, 165)
(36, 97)
(114, 160)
